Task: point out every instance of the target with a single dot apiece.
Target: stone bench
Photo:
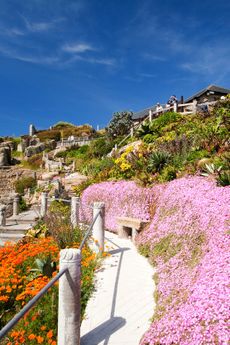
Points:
(129, 227)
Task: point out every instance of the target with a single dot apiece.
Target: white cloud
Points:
(42, 60)
(41, 26)
(77, 47)
(14, 32)
(209, 60)
(147, 75)
(107, 62)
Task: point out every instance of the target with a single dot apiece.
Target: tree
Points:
(120, 124)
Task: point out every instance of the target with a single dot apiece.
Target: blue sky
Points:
(82, 60)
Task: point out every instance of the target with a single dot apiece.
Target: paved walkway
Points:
(17, 226)
(119, 312)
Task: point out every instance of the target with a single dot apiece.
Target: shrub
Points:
(168, 173)
(59, 226)
(24, 183)
(120, 124)
(149, 138)
(78, 189)
(157, 125)
(62, 124)
(157, 160)
(22, 204)
(34, 162)
(223, 178)
(100, 147)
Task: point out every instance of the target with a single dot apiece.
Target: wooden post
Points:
(131, 132)
(75, 205)
(175, 107)
(194, 106)
(69, 306)
(44, 204)
(16, 205)
(150, 115)
(2, 215)
(99, 226)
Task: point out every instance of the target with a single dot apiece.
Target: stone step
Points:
(26, 217)
(15, 221)
(14, 238)
(15, 229)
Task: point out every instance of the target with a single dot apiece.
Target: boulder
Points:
(33, 150)
(5, 156)
(49, 175)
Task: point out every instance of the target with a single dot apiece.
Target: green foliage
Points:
(144, 129)
(196, 155)
(157, 125)
(78, 189)
(149, 138)
(24, 183)
(64, 131)
(144, 249)
(45, 266)
(168, 173)
(59, 226)
(77, 152)
(22, 204)
(157, 160)
(94, 167)
(62, 124)
(223, 178)
(120, 124)
(166, 248)
(38, 231)
(100, 147)
(53, 134)
(33, 163)
(211, 169)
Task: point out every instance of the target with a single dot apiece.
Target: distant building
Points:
(210, 94)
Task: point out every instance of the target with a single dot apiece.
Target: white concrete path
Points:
(120, 309)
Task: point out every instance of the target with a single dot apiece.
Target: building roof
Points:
(145, 112)
(218, 89)
(213, 88)
(142, 113)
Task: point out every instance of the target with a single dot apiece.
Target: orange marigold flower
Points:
(4, 298)
(21, 340)
(43, 328)
(31, 336)
(40, 339)
(50, 334)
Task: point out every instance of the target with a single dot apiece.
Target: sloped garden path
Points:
(120, 309)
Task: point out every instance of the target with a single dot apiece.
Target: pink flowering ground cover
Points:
(188, 243)
(121, 198)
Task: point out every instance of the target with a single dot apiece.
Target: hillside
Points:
(171, 146)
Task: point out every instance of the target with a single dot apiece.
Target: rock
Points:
(72, 180)
(33, 150)
(49, 175)
(5, 156)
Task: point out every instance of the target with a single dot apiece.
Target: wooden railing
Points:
(182, 108)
